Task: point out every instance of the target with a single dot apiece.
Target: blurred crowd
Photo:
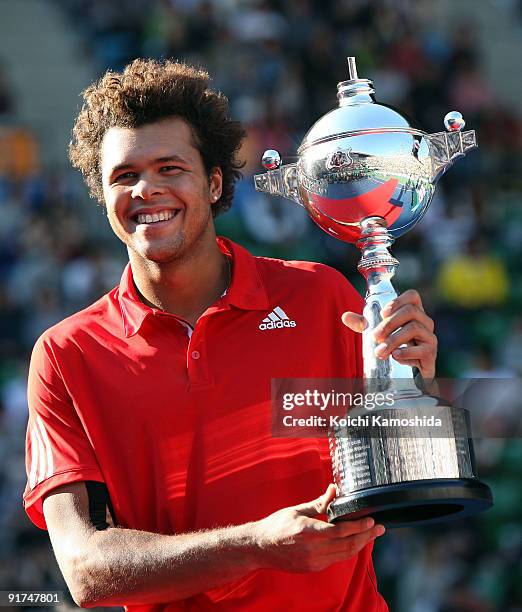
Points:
(279, 62)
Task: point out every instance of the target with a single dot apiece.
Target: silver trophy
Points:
(367, 175)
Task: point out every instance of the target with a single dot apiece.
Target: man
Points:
(150, 457)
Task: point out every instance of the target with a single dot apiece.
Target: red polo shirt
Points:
(177, 422)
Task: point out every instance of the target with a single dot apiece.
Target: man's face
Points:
(157, 192)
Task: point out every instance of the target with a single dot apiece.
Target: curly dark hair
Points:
(145, 92)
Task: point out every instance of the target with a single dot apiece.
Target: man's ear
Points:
(216, 184)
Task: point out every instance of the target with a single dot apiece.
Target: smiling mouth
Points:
(149, 219)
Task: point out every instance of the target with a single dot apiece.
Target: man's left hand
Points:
(403, 322)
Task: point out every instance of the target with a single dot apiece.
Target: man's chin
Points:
(157, 255)
(161, 258)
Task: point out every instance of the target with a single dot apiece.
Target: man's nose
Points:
(146, 188)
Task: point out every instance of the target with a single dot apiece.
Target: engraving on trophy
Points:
(358, 451)
(339, 159)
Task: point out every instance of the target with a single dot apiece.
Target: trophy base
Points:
(408, 504)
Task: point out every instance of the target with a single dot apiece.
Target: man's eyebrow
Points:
(158, 160)
(170, 158)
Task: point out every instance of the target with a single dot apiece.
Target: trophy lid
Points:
(357, 112)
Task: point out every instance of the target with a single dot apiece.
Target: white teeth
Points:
(164, 215)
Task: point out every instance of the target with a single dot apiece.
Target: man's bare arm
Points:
(123, 566)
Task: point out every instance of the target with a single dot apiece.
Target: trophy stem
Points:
(378, 267)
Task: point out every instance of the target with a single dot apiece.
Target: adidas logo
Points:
(276, 320)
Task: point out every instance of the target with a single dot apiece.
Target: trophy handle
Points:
(378, 267)
(278, 180)
(447, 147)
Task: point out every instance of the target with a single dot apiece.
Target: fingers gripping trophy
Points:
(366, 175)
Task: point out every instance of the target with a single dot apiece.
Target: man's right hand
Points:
(295, 540)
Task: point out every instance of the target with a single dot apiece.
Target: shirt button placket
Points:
(196, 362)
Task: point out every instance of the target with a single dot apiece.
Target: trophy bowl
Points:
(376, 171)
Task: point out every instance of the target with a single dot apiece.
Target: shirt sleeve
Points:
(58, 449)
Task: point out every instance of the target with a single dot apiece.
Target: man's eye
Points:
(170, 168)
(126, 175)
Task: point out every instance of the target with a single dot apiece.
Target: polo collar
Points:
(246, 291)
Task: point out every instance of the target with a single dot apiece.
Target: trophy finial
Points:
(352, 68)
(454, 121)
(271, 159)
(354, 90)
